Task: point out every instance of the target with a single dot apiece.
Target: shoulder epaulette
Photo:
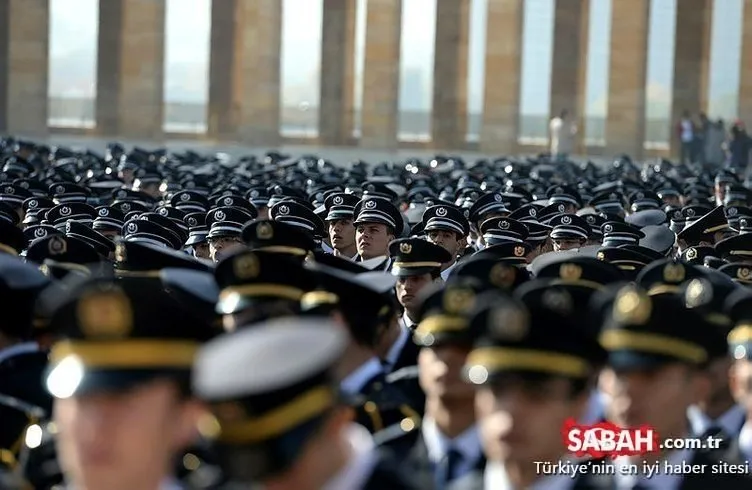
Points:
(409, 372)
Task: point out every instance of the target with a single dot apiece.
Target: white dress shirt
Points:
(354, 382)
(17, 349)
(445, 273)
(405, 321)
(360, 466)
(730, 421)
(496, 478)
(745, 441)
(437, 444)
(396, 349)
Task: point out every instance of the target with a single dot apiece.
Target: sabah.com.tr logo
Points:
(606, 439)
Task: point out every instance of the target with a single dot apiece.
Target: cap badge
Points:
(106, 313)
(405, 248)
(698, 293)
(677, 215)
(558, 300)
(284, 210)
(566, 220)
(125, 207)
(320, 196)
(369, 204)
(466, 213)
(743, 222)
(33, 204)
(254, 193)
(59, 189)
(131, 228)
(103, 212)
(24, 185)
(673, 273)
(246, 266)
(264, 231)
(57, 245)
(612, 196)
(692, 253)
(65, 211)
(502, 276)
(68, 227)
(497, 197)
(561, 208)
(121, 193)
(504, 224)
(519, 251)
(370, 187)
(163, 211)
(558, 190)
(192, 221)
(40, 232)
(227, 201)
(732, 211)
(338, 200)
(690, 212)
(442, 211)
(533, 212)
(185, 197)
(600, 256)
(509, 323)
(10, 190)
(590, 219)
(608, 228)
(632, 307)
(570, 272)
(220, 216)
(640, 195)
(458, 301)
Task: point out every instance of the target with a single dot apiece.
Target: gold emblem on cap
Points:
(458, 301)
(743, 273)
(502, 275)
(570, 272)
(692, 253)
(601, 256)
(509, 324)
(229, 412)
(246, 266)
(264, 231)
(405, 248)
(105, 313)
(632, 307)
(698, 293)
(57, 245)
(673, 273)
(120, 253)
(558, 300)
(519, 251)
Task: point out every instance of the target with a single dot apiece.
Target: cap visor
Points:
(637, 361)
(65, 385)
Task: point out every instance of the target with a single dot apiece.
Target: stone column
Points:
(501, 106)
(625, 123)
(569, 61)
(449, 114)
(222, 42)
(745, 82)
(336, 106)
(381, 76)
(256, 71)
(130, 68)
(691, 62)
(24, 66)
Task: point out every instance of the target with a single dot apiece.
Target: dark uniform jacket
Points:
(380, 404)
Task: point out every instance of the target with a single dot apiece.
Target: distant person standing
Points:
(738, 147)
(561, 133)
(715, 138)
(686, 130)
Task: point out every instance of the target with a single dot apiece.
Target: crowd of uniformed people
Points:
(182, 320)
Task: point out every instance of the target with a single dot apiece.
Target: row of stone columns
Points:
(244, 88)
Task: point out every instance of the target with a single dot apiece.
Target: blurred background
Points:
(465, 74)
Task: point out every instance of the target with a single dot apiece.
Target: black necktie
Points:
(448, 468)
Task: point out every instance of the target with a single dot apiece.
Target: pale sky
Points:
(73, 33)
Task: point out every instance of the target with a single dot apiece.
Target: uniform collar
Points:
(467, 443)
(406, 321)
(445, 273)
(730, 421)
(354, 382)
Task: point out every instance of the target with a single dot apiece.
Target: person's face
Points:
(123, 440)
(372, 240)
(201, 250)
(409, 287)
(440, 369)
(263, 212)
(111, 234)
(126, 175)
(671, 200)
(561, 244)
(222, 246)
(341, 234)
(722, 235)
(740, 382)
(448, 240)
(656, 397)
(150, 189)
(520, 420)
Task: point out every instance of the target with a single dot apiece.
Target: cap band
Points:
(445, 224)
(315, 298)
(375, 216)
(652, 343)
(503, 358)
(279, 420)
(127, 353)
(740, 334)
(441, 324)
(276, 290)
(8, 249)
(282, 249)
